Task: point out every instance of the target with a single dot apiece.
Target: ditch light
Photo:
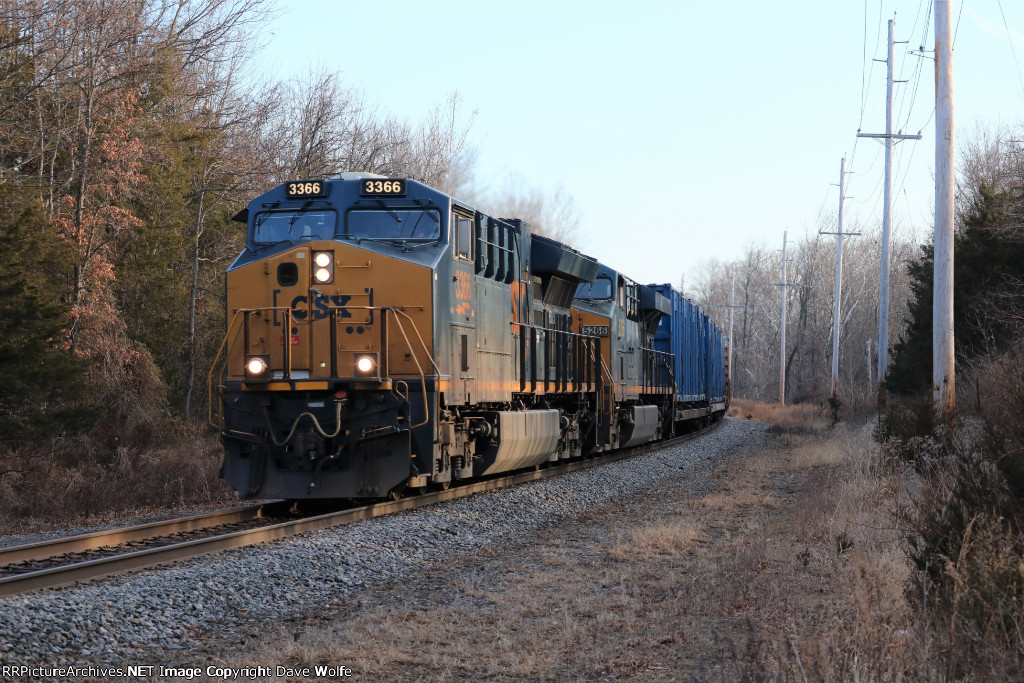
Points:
(367, 365)
(257, 366)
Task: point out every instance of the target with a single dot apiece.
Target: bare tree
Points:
(552, 213)
(808, 348)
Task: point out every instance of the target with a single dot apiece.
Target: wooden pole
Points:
(732, 295)
(782, 327)
(889, 139)
(943, 370)
(883, 291)
(836, 314)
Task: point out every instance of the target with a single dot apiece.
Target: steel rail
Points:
(107, 566)
(112, 537)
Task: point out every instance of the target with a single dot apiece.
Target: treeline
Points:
(811, 270)
(131, 131)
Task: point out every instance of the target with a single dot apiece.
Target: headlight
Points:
(324, 262)
(256, 366)
(366, 364)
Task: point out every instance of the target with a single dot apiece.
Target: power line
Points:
(1009, 39)
(917, 17)
(915, 77)
(821, 209)
(958, 15)
(863, 100)
(863, 65)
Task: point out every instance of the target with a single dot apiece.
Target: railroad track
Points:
(104, 553)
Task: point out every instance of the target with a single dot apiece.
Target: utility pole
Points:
(732, 295)
(883, 291)
(943, 369)
(782, 327)
(732, 306)
(839, 280)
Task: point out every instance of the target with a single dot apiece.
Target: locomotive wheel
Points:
(396, 493)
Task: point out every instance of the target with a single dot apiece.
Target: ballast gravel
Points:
(158, 616)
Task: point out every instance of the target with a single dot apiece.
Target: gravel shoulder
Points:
(402, 585)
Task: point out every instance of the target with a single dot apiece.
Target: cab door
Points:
(462, 309)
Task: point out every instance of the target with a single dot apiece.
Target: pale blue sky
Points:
(684, 130)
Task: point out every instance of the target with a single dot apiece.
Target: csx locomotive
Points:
(382, 335)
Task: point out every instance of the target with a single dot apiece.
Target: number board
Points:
(301, 189)
(376, 188)
(594, 330)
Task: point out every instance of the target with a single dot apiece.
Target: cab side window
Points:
(629, 299)
(462, 230)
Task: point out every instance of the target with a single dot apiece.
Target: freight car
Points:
(382, 335)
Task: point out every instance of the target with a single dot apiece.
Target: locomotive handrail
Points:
(209, 376)
(220, 358)
(610, 394)
(423, 379)
(578, 345)
(419, 336)
(657, 358)
(217, 358)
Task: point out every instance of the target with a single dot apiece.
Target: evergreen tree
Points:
(44, 384)
(987, 274)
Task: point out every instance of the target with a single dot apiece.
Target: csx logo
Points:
(321, 306)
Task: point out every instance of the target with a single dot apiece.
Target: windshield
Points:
(601, 288)
(404, 224)
(292, 226)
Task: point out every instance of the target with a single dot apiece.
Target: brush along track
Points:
(165, 547)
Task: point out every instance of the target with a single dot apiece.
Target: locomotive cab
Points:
(638, 397)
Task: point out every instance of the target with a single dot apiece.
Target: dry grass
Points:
(802, 416)
(41, 490)
(674, 537)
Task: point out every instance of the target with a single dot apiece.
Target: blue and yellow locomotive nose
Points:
(329, 313)
(324, 311)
